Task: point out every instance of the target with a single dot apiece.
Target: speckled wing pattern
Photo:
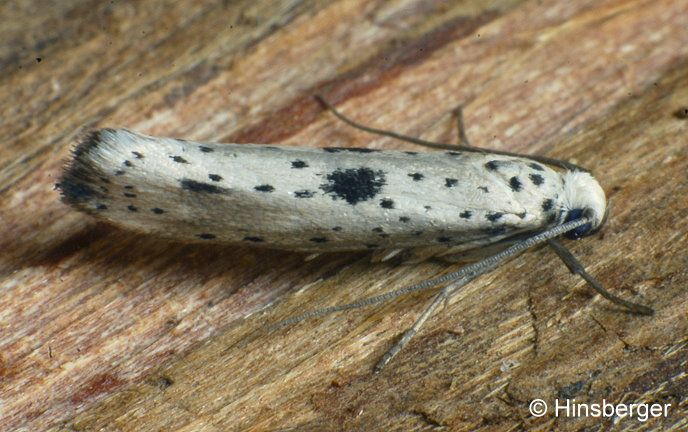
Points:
(309, 198)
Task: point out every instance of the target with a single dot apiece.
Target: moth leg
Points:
(410, 333)
(461, 127)
(456, 279)
(440, 299)
(576, 268)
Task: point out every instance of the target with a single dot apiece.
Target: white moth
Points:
(446, 203)
(319, 199)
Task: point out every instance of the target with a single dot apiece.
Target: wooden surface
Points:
(107, 330)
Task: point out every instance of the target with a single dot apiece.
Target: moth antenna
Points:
(458, 279)
(442, 146)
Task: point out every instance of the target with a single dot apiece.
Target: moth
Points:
(451, 203)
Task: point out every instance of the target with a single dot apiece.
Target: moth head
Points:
(583, 197)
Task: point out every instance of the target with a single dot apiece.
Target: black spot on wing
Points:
(536, 167)
(157, 210)
(451, 182)
(537, 179)
(299, 164)
(547, 205)
(131, 208)
(137, 155)
(337, 228)
(304, 194)
(215, 177)
(319, 239)
(196, 186)
(492, 165)
(206, 236)
(466, 214)
(416, 176)
(378, 230)
(354, 184)
(205, 149)
(404, 219)
(101, 207)
(494, 217)
(179, 159)
(129, 195)
(515, 184)
(129, 187)
(484, 189)
(118, 173)
(264, 188)
(443, 239)
(411, 153)
(386, 203)
(128, 164)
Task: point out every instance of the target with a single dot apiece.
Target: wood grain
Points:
(107, 330)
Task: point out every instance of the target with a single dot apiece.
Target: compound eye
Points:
(582, 230)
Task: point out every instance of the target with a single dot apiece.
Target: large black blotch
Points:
(354, 184)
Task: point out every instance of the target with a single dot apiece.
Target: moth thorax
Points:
(583, 197)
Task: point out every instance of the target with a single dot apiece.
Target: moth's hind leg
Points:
(461, 127)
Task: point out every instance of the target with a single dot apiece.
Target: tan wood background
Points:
(107, 330)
